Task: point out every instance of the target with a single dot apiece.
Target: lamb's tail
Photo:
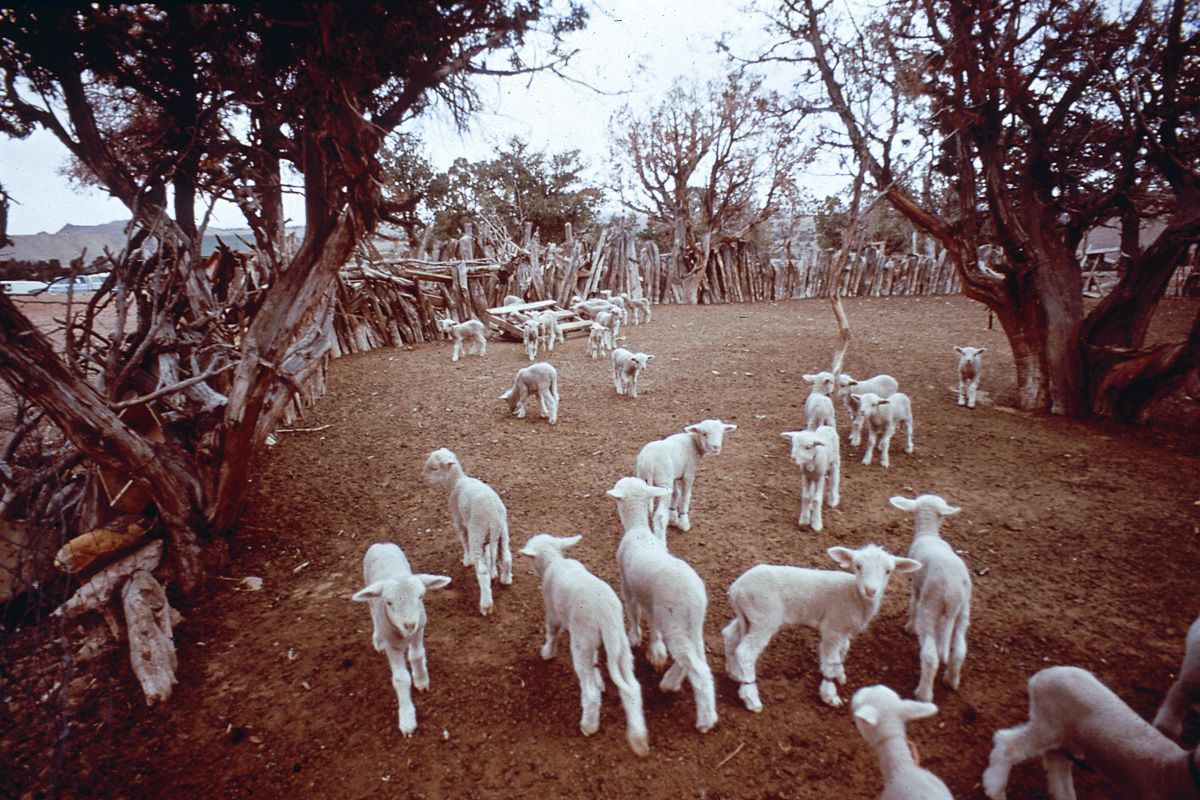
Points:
(620, 669)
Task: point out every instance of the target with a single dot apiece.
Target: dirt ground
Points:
(1083, 539)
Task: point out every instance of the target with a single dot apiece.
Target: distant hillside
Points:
(71, 240)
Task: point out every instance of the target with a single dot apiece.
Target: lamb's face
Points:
(869, 405)
(969, 360)
(822, 382)
(439, 466)
(805, 447)
(873, 567)
(404, 604)
(639, 361)
(711, 434)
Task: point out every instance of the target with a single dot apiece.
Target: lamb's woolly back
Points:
(480, 519)
(539, 379)
(588, 609)
(939, 609)
(667, 594)
(1073, 715)
(880, 716)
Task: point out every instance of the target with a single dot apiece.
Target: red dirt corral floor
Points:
(1084, 541)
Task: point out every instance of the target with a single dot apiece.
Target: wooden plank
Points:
(429, 276)
(523, 307)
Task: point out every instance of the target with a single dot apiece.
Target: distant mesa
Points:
(71, 240)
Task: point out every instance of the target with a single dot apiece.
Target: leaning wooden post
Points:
(151, 641)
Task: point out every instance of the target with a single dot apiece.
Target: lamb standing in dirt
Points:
(882, 385)
(1185, 692)
(818, 455)
(838, 604)
(469, 337)
(627, 366)
(880, 714)
(587, 608)
(671, 463)
(396, 598)
(818, 408)
(539, 379)
(480, 520)
(939, 608)
(882, 417)
(1073, 716)
(531, 336)
(970, 366)
(666, 593)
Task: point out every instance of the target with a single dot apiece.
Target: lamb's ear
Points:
(617, 493)
(903, 503)
(368, 592)
(810, 378)
(649, 357)
(692, 429)
(914, 709)
(980, 350)
(507, 394)
(433, 581)
(790, 435)
(730, 427)
(948, 510)
(957, 349)
(844, 556)
(868, 714)
(568, 542)
(907, 564)
(658, 491)
(883, 402)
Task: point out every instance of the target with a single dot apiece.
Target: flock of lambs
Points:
(1072, 715)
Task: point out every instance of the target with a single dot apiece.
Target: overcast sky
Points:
(632, 47)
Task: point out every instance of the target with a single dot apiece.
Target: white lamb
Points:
(627, 367)
(586, 607)
(612, 321)
(549, 331)
(394, 595)
(590, 308)
(639, 309)
(818, 455)
(597, 343)
(880, 715)
(540, 379)
(818, 408)
(666, 593)
(480, 520)
(513, 300)
(1073, 716)
(881, 418)
(882, 385)
(531, 331)
(939, 608)
(469, 337)
(671, 463)
(1185, 692)
(839, 605)
(970, 366)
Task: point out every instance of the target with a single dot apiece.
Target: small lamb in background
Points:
(469, 337)
(639, 309)
(970, 366)
(627, 367)
(549, 331)
(818, 455)
(1073, 716)
(395, 596)
(598, 340)
(880, 715)
(838, 604)
(939, 607)
(480, 520)
(1185, 692)
(671, 463)
(531, 334)
(540, 379)
(882, 385)
(818, 408)
(587, 608)
(881, 418)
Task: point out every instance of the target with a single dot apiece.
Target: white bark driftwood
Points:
(151, 642)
